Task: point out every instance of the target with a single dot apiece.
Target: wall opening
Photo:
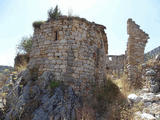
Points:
(110, 58)
(56, 35)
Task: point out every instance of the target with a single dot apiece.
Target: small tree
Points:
(25, 45)
(54, 13)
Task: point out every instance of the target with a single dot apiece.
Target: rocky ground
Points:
(149, 96)
(4, 68)
(5, 72)
(26, 96)
(30, 97)
(150, 104)
(45, 99)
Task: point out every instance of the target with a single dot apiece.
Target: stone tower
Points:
(135, 51)
(73, 48)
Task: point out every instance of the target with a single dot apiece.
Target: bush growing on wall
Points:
(37, 24)
(54, 13)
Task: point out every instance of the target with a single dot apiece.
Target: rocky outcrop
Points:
(44, 99)
(152, 54)
(5, 72)
(149, 96)
(5, 69)
(135, 51)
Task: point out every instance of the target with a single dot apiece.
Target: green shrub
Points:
(25, 45)
(37, 24)
(55, 84)
(54, 13)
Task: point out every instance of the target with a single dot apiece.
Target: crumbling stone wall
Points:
(135, 51)
(73, 48)
(115, 64)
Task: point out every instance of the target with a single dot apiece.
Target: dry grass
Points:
(120, 107)
(109, 101)
(21, 67)
(150, 63)
(85, 113)
(123, 85)
(21, 61)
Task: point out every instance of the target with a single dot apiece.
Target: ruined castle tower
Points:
(73, 48)
(135, 50)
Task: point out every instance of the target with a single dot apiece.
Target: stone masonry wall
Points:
(115, 64)
(135, 51)
(73, 48)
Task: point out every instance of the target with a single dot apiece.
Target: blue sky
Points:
(17, 16)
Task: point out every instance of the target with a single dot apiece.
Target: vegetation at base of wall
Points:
(37, 24)
(20, 62)
(123, 85)
(127, 110)
(21, 67)
(108, 100)
(105, 96)
(53, 14)
(23, 50)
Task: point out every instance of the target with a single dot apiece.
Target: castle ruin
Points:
(76, 51)
(73, 48)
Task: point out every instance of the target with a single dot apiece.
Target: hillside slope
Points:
(151, 54)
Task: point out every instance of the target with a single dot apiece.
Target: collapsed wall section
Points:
(135, 51)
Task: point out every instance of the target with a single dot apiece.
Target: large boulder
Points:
(157, 58)
(134, 98)
(150, 72)
(144, 116)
